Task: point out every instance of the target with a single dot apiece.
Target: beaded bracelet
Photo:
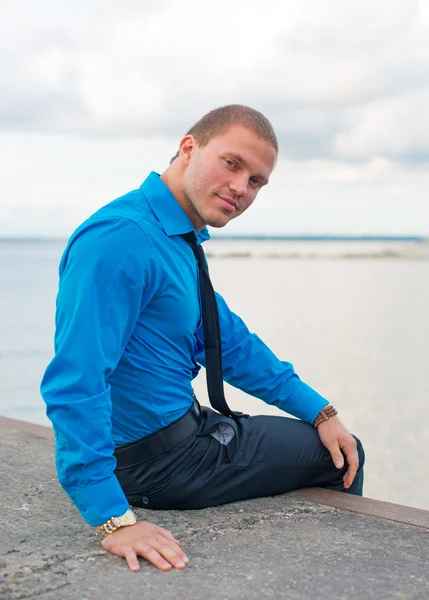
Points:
(324, 415)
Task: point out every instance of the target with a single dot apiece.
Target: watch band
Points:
(324, 415)
(128, 518)
(109, 527)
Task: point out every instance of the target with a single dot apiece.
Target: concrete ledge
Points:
(269, 548)
(30, 428)
(365, 506)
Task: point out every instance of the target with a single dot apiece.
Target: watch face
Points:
(129, 518)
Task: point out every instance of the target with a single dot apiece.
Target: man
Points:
(131, 336)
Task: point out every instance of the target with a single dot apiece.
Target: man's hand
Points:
(335, 437)
(154, 543)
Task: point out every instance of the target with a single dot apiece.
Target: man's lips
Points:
(232, 203)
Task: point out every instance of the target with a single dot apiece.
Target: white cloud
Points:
(395, 127)
(94, 94)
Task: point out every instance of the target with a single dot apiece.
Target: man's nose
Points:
(239, 186)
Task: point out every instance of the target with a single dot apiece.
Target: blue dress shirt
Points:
(129, 342)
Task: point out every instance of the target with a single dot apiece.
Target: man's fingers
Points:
(337, 457)
(173, 553)
(165, 539)
(353, 463)
(157, 555)
(155, 544)
(132, 560)
(341, 445)
(168, 534)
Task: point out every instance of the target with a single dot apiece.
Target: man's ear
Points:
(187, 147)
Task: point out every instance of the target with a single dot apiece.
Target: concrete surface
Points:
(282, 547)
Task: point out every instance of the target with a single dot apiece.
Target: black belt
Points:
(158, 442)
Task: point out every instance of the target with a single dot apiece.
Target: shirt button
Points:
(145, 500)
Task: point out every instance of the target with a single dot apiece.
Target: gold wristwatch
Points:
(128, 518)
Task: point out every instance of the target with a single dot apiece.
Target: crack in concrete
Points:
(36, 593)
(59, 567)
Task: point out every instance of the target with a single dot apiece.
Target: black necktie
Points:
(212, 335)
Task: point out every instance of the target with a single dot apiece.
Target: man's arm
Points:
(251, 366)
(107, 274)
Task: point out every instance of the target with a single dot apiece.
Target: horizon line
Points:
(257, 237)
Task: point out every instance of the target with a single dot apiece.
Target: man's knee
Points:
(361, 452)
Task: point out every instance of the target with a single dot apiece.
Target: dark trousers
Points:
(266, 456)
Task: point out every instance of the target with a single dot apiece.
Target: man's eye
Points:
(255, 182)
(230, 162)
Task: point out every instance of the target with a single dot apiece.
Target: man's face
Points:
(223, 178)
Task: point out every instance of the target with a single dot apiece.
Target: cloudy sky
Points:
(95, 94)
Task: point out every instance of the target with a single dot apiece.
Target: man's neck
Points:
(173, 180)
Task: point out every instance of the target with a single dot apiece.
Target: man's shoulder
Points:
(120, 228)
(125, 217)
(132, 207)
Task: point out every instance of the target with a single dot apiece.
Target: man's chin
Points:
(219, 221)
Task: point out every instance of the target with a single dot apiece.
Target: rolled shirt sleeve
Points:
(107, 274)
(251, 366)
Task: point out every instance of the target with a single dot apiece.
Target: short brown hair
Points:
(220, 119)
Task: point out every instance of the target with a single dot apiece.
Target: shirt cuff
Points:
(305, 403)
(99, 502)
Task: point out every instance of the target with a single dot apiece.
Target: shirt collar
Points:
(168, 211)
